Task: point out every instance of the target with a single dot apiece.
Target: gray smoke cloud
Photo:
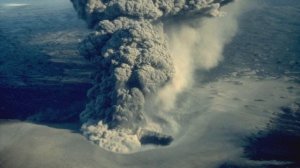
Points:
(134, 62)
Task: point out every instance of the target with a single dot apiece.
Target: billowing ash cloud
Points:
(94, 11)
(133, 59)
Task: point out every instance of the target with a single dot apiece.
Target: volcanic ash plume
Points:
(134, 62)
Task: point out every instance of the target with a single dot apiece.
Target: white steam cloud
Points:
(146, 53)
(197, 44)
(15, 4)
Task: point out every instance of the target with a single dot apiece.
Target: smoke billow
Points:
(197, 44)
(144, 56)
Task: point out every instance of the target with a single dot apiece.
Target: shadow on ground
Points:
(48, 105)
(277, 146)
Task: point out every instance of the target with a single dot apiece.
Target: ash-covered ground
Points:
(244, 112)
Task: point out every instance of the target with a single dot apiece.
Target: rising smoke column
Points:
(129, 48)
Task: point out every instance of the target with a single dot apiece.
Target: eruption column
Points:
(129, 48)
